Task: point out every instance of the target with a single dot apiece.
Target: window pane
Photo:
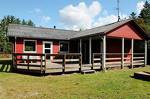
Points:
(29, 45)
(64, 47)
(47, 51)
(47, 45)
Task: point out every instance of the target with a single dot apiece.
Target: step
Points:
(142, 75)
(87, 71)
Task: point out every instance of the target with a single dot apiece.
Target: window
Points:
(64, 46)
(29, 46)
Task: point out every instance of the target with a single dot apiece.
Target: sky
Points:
(69, 14)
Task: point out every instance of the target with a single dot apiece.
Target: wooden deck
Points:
(71, 62)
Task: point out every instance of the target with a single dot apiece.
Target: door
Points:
(47, 48)
(85, 51)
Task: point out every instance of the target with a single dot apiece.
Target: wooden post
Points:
(90, 51)
(45, 62)
(28, 61)
(80, 45)
(92, 62)
(104, 54)
(64, 62)
(80, 62)
(122, 54)
(41, 64)
(145, 61)
(132, 52)
(14, 63)
(15, 60)
(15, 45)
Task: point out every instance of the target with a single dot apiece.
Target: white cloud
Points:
(139, 6)
(46, 18)
(108, 19)
(37, 10)
(80, 16)
(83, 16)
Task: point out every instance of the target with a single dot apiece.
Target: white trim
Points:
(90, 50)
(80, 46)
(145, 63)
(122, 55)
(29, 51)
(104, 54)
(64, 42)
(48, 48)
(132, 51)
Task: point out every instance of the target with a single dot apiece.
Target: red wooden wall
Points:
(127, 31)
(39, 47)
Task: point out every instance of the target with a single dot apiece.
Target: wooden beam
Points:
(28, 61)
(64, 63)
(90, 50)
(122, 54)
(92, 61)
(41, 64)
(80, 45)
(132, 51)
(45, 63)
(145, 62)
(80, 62)
(104, 54)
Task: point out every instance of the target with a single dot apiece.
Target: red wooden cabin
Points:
(110, 41)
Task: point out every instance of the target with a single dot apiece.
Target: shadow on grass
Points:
(141, 78)
(6, 66)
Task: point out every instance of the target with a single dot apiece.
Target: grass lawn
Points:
(114, 84)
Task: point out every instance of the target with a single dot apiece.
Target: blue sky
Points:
(69, 14)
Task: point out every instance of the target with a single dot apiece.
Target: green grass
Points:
(114, 84)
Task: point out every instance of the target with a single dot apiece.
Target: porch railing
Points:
(117, 59)
(31, 60)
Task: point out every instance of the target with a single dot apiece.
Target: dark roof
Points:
(15, 30)
(49, 33)
(101, 29)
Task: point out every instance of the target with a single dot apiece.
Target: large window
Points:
(30, 46)
(64, 46)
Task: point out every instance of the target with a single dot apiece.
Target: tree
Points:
(4, 23)
(145, 13)
(133, 16)
(30, 23)
(23, 22)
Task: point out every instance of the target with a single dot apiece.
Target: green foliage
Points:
(4, 41)
(143, 20)
(144, 17)
(145, 13)
(30, 23)
(133, 16)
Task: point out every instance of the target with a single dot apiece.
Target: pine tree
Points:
(133, 16)
(23, 22)
(30, 23)
(145, 13)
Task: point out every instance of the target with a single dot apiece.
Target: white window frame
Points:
(29, 51)
(48, 48)
(64, 42)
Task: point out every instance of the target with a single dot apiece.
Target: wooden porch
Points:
(72, 62)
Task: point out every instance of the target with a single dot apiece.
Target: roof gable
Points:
(128, 30)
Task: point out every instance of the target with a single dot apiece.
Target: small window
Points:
(30, 46)
(64, 46)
